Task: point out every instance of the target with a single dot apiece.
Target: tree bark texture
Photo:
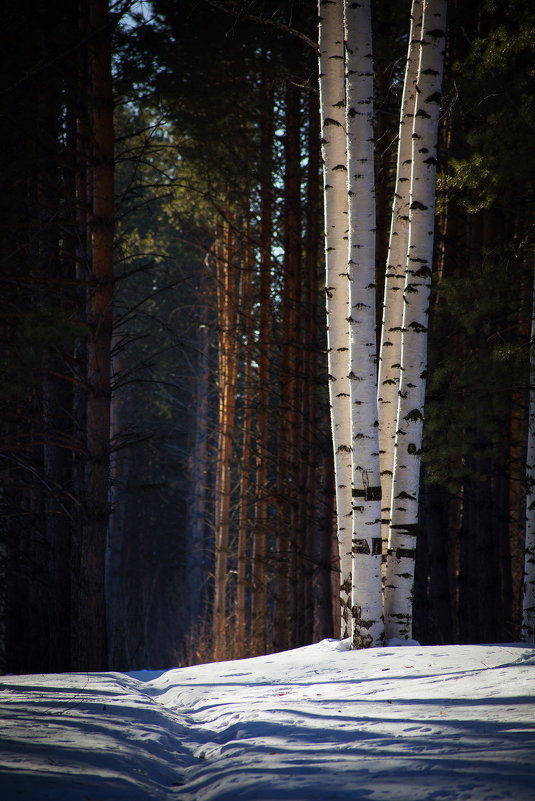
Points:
(332, 109)
(405, 486)
(89, 600)
(390, 349)
(366, 600)
(264, 349)
(226, 302)
(527, 633)
(246, 305)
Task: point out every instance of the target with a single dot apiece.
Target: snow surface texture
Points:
(448, 723)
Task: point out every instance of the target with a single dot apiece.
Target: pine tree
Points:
(89, 606)
(527, 633)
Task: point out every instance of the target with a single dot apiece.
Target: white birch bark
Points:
(332, 106)
(390, 351)
(367, 607)
(405, 486)
(528, 601)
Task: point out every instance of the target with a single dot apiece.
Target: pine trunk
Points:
(246, 305)
(227, 405)
(289, 579)
(527, 633)
(260, 528)
(318, 528)
(90, 642)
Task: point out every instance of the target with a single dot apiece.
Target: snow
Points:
(448, 723)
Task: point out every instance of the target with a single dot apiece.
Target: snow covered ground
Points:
(452, 723)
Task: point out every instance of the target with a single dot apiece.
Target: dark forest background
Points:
(166, 487)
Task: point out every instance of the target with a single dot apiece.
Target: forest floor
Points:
(448, 723)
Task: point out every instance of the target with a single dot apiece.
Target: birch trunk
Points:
(332, 105)
(390, 351)
(366, 600)
(405, 486)
(528, 602)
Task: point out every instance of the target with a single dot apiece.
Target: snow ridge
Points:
(448, 723)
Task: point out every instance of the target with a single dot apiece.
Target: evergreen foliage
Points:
(217, 179)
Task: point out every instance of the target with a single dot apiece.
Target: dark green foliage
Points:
(475, 424)
(493, 75)
(191, 89)
(478, 358)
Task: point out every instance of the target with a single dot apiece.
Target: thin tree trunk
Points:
(289, 580)
(367, 617)
(405, 486)
(318, 526)
(332, 105)
(200, 521)
(390, 349)
(259, 563)
(527, 633)
(227, 403)
(52, 593)
(240, 620)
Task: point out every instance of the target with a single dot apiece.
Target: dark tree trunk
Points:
(264, 349)
(89, 606)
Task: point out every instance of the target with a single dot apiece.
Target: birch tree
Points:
(528, 601)
(405, 487)
(390, 350)
(367, 618)
(332, 109)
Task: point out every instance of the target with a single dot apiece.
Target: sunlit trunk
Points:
(390, 351)
(409, 428)
(366, 602)
(227, 405)
(332, 109)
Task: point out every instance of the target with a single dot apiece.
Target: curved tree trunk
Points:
(405, 487)
(390, 352)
